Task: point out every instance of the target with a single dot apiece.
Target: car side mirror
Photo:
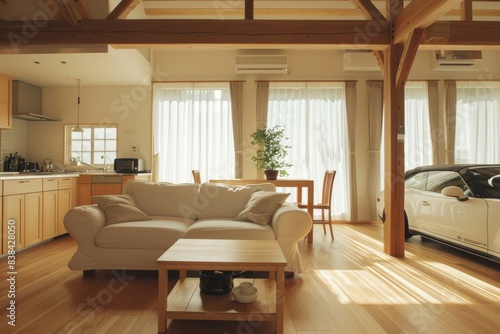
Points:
(453, 191)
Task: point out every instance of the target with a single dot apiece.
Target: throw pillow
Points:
(262, 206)
(119, 208)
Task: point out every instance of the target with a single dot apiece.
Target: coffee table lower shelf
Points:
(186, 301)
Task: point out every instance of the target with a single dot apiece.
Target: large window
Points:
(315, 121)
(193, 130)
(477, 134)
(96, 145)
(418, 146)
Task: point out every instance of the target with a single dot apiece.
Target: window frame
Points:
(68, 144)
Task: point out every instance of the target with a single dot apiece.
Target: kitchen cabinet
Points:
(37, 207)
(50, 208)
(89, 185)
(66, 200)
(83, 190)
(5, 102)
(22, 203)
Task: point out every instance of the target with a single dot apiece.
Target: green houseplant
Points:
(271, 151)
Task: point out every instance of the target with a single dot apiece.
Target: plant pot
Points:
(271, 174)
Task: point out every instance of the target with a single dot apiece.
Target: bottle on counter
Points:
(11, 162)
(16, 162)
(6, 164)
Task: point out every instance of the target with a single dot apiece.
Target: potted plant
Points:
(271, 151)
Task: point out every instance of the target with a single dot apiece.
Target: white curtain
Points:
(193, 130)
(477, 134)
(315, 121)
(376, 168)
(418, 144)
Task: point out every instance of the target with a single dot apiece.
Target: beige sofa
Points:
(132, 230)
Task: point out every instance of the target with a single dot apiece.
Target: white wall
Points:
(129, 107)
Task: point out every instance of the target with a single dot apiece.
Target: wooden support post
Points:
(394, 155)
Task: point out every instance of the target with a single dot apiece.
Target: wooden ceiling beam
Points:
(122, 10)
(368, 9)
(182, 32)
(456, 34)
(55, 9)
(82, 9)
(69, 13)
(409, 52)
(249, 9)
(379, 54)
(420, 14)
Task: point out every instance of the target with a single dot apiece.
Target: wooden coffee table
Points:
(186, 301)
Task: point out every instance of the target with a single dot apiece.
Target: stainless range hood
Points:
(27, 102)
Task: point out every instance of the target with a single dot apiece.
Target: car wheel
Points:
(408, 235)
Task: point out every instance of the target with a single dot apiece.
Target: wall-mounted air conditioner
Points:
(360, 61)
(261, 64)
(453, 60)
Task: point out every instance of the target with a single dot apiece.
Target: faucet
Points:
(104, 157)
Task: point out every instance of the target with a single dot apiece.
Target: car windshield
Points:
(488, 180)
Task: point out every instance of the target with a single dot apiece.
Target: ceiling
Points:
(61, 65)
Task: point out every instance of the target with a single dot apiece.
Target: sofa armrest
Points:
(291, 222)
(84, 222)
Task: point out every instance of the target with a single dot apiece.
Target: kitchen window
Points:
(96, 145)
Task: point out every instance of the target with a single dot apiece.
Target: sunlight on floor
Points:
(385, 280)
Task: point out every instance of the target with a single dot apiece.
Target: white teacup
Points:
(246, 288)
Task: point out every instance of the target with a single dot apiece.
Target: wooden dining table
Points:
(284, 183)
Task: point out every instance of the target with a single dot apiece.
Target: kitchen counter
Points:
(24, 175)
(34, 175)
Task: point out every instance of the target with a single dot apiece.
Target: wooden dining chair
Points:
(326, 202)
(196, 176)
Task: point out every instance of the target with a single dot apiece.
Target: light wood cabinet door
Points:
(32, 218)
(5, 102)
(50, 219)
(65, 203)
(83, 194)
(13, 209)
(106, 189)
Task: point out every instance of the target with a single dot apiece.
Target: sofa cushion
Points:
(262, 206)
(217, 200)
(119, 208)
(157, 233)
(164, 199)
(229, 229)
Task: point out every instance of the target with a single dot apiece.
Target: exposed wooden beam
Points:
(70, 15)
(249, 7)
(82, 9)
(380, 59)
(155, 32)
(368, 9)
(456, 34)
(55, 9)
(420, 14)
(466, 10)
(122, 10)
(408, 56)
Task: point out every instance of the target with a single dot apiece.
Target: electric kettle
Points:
(47, 165)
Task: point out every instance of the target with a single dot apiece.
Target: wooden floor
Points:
(349, 286)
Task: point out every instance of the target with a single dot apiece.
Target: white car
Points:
(455, 204)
